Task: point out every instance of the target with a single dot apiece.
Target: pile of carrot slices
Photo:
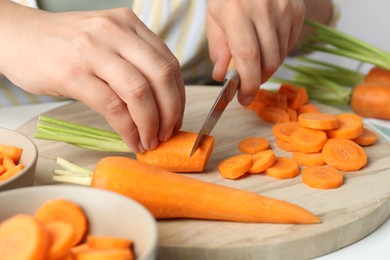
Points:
(58, 230)
(323, 145)
(9, 161)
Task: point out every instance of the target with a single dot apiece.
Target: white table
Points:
(374, 247)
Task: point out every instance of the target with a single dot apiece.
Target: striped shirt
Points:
(179, 23)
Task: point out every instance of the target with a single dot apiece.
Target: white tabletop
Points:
(374, 247)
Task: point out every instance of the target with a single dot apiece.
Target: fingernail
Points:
(166, 135)
(141, 148)
(246, 101)
(153, 143)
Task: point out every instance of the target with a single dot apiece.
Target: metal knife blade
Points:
(229, 89)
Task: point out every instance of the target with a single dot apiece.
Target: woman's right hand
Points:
(109, 60)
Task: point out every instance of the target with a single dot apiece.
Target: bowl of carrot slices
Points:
(74, 222)
(18, 160)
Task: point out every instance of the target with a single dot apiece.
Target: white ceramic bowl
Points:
(108, 213)
(29, 158)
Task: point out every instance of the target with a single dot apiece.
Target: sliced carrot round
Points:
(308, 108)
(344, 154)
(21, 237)
(320, 121)
(308, 140)
(235, 166)
(108, 242)
(67, 211)
(61, 236)
(262, 161)
(308, 159)
(283, 168)
(322, 177)
(368, 137)
(286, 146)
(274, 115)
(283, 130)
(350, 127)
(252, 145)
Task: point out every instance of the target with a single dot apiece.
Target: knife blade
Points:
(229, 89)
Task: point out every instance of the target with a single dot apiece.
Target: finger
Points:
(97, 95)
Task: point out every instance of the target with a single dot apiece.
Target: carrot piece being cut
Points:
(169, 195)
(262, 161)
(350, 127)
(322, 177)
(15, 153)
(235, 166)
(308, 159)
(308, 140)
(22, 237)
(174, 154)
(344, 154)
(108, 242)
(67, 211)
(368, 137)
(283, 168)
(61, 236)
(252, 145)
(320, 121)
(283, 130)
(274, 115)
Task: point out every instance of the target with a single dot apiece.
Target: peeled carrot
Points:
(350, 127)
(308, 140)
(174, 154)
(344, 154)
(368, 137)
(283, 130)
(67, 211)
(262, 161)
(108, 242)
(170, 195)
(274, 115)
(320, 121)
(15, 153)
(61, 236)
(371, 100)
(308, 108)
(322, 177)
(252, 145)
(308, 159)
(235, 166)
(21, 237)
(283, 168)
(378, 75)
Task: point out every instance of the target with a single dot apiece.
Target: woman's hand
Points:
(106, 59)
(257, 34)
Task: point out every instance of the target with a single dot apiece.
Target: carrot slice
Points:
(322, 177)
(174, 154)
(286, 146)
(300, 99)
(262, 161)
(235, 166)
(11, 172)
(61, 235)
(308, 159)
(83, 247)
(350, 127)
(344, 154)
(274, 114)
(256, 106)
(8, 163)
(308, 108)
(67, 211)
(320, 121)
(281, 100)
(252, 145)
(112, 254)
(266, 96)
(21, 237)
(1, 157)
(293, 115)
(368, 137)
(283, 130)
(15, 153)
(108, 242)
(308, 140)
(289, 89)
(283, 168)
(2, 169)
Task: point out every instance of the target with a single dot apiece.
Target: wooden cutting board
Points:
(348, 214)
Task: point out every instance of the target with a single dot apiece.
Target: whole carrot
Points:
(170, 195)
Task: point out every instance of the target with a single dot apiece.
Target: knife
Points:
(229, 89)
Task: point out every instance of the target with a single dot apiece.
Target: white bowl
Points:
(109, 213)
(29, 157)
